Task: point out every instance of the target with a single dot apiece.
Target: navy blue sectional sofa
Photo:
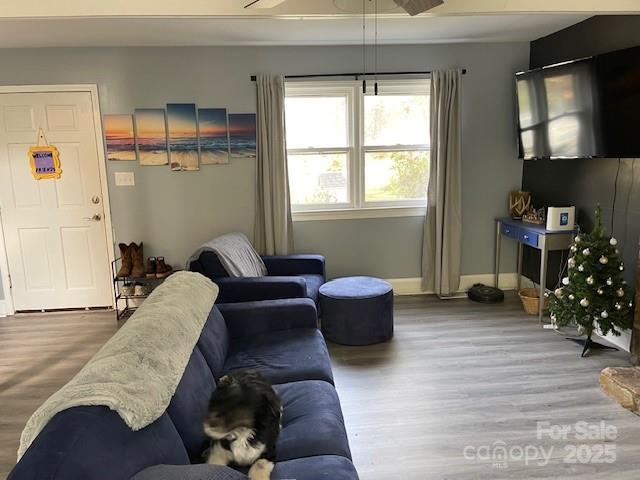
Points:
(289, 276)
(278, 338)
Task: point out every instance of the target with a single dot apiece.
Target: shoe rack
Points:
(127, 302)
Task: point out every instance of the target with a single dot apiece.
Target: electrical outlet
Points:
(125, 179)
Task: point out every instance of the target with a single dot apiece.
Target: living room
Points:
(426, 377)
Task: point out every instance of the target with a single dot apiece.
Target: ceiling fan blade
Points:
(415, 7)
(264, 3)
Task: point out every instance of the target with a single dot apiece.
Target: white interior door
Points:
(54, 229)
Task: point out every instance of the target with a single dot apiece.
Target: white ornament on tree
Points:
(581, 268)
(600, 291)
(577, 239)
(590, 280)
(586, 252)
(609, 281)
(565, 281)
(571, 262)
(573, 248)
(604, 314)
(558, 292)
(584, 303)
(618, 306)
(603, 260)
(613, 241)
(572, 296)
(620, 292)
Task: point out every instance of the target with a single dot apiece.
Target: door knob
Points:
(95, 200)
(95, 218)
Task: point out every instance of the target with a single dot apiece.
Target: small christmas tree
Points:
(593, 294)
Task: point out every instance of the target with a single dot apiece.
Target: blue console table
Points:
(536, 236)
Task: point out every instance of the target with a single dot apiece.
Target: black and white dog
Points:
(243, 423)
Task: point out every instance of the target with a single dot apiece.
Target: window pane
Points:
(398, 175)
(396, 120)
(318, 178)
(316, 122)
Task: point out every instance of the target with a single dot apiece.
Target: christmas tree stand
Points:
(589, 345)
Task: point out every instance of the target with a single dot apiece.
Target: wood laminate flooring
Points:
(458, 378)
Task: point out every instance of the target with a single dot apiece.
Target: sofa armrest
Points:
(253, 318)
(294, 264)
(249, 289)
(201, 471)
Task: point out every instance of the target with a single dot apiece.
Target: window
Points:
(356, 154)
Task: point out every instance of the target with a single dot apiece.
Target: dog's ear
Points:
(225, 381)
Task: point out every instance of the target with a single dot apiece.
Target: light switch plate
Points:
(125, 179)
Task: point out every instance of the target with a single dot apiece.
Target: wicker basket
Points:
(529, 298)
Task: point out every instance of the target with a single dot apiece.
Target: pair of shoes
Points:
(127, 289)
(132, 260)
(156, 268)
(141, 290)
(136, 289)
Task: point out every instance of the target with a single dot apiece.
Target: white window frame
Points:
(357, 206)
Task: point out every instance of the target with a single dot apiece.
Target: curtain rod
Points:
(358, 75)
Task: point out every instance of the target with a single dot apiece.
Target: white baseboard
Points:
(4, 310)
(413, 286)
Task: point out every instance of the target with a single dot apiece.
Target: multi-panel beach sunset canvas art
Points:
(214, 136)
(151, 136)
(183, 136)
(118, 132)
(242, 134)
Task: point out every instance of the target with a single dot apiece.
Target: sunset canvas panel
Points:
(118, 132)
(214, 136)
(151, 136)
(242, 134)
(183, 136)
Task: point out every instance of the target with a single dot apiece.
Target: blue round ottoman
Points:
(357, 310)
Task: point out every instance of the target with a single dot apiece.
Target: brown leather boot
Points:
(125, 256)
(162, 269)
(137, 259)
(151, 267)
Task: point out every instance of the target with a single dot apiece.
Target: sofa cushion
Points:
(312, 422)
(83, 443)
(188, 407)
(189, 472)
(325, 467)
(282, 356)
(313, 284)
(214, 342)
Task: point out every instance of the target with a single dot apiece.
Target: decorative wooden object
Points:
(537, 217)
(519, 203)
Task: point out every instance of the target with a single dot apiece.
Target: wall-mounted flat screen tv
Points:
(584, 108)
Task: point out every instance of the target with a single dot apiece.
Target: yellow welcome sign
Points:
(44, 160)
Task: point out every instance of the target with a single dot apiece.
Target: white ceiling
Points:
(88, 32)
(73, 23)
(98, 8)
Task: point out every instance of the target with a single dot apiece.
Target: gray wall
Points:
(174, 212)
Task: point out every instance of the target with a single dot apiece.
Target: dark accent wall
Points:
(586, 183)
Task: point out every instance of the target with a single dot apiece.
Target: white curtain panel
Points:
(442, 241)
(273, 232)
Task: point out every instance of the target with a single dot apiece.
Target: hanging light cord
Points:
(615, 195)
(364, 61)
(375, 58)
